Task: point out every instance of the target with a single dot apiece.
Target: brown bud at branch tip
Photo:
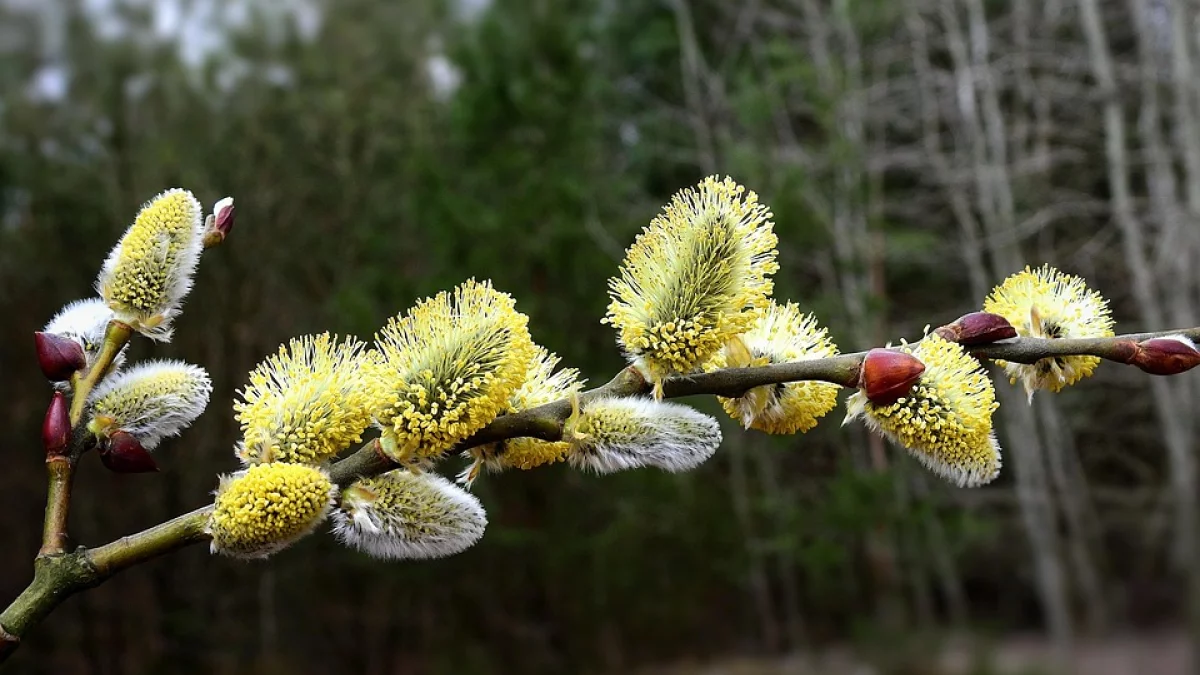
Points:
(59, 357)
(887, 375)
(56, 427)
(977, 328)
(124, 454)
(1166, 355)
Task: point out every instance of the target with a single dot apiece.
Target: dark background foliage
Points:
(914, 153)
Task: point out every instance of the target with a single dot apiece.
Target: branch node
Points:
(377, 448)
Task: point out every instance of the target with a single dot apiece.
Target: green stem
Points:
(115, 338)
(161, 539)
(60, 473)
(55, 578)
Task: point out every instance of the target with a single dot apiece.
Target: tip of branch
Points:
(1170, 355)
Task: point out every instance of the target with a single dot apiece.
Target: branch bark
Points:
(60, 471)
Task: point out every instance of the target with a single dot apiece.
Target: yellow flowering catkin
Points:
(781, 335)
(1046, 303)
(450, 366)
(150, 401)
(696, 277)
(267, 508)
(309, 401)
(542, 385)
(149, 272)
(402, 515)
(945, 421)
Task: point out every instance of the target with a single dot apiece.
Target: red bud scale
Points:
(887, 375)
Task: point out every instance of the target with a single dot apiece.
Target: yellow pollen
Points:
(696, 277)
(149, 272)
(309, 401)
(267, 507)
(450, 366)
(1046, 303)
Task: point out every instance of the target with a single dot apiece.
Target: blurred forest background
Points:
(915, 152)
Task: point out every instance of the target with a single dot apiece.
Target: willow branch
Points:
(545, 422)
(58, 576)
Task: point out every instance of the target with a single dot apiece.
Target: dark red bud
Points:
(223, 216)
(887, 375)
(56, 427)
(124, 454)
(59, 357)
(219, 223)
(1165, 356)
(977, 328)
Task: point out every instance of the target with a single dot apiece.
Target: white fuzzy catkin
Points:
(85, 321)
(612, 434)
(82, 318)
(152, 400)
(405, 515)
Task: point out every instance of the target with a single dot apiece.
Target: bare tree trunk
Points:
(1183, 470)
(1031, 154)
(988, 157)
(696, 81)
(1072, 492)
(1008, 254)
(768, 469)
(759, 576)
(1185, 24)
(859, 257)
(847, 223)
(949, 579)
(694, 76)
